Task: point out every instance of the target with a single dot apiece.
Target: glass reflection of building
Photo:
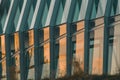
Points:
(56, 38)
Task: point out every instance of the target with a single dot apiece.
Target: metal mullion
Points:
(53, 45)
(38, 50)
(87, 35)
(23, 65)
(106, 36)
(69, 38)
(8, 55)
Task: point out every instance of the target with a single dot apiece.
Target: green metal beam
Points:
(87, 35)
(10, 61)
(53, 40)
(106, 36)
(69, 38)
(23, 70)
(21, 27)
(7, 30)
(38, 34)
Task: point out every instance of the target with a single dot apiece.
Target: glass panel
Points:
(61, 70)
(46, 66)
(80, 50)
(80, 25)
(114, 51)
(117, 18)
(46, 33)
(31, 55)
(78, 63)
(17, 56)
(46, 46)
(3, 61)
(4, 11)
(62, 29)
(96, 50)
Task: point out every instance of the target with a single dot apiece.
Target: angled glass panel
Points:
(94, 9)
(60, 12)
(4, 11)
(30, 17)
(44, 17)
(115, 8)
(18, 13)
(77, 10)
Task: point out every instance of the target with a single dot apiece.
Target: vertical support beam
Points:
(23, 70)
(7, 30)
(39, 53)
(86, 47)
(57, 32)
(22, 48)
(38, 34)
(87, 35)
(8, 55)
(21, 28)
(52, 53)
(36, 52)
(69, 50)
(52, 40)
(106, 36)
(10, 61)
(69, 38)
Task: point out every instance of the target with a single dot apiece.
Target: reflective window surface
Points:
(61, 71)
(79, 55)
(3, 61)
(96, 49)
(114, 51)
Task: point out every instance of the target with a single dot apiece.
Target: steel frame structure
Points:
(35, 15)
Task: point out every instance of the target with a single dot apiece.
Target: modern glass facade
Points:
(55, 38)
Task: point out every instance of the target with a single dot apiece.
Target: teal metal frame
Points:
(106, 36)
(53, 60)
(87, 35)
(69, 46)
(8, 29)
(38, 34)
(22, 28)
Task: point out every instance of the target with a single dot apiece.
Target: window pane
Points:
(61, 71)
(79, 55)
(3, 61)
(30, 57)
(96, 50)
(114, 51)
